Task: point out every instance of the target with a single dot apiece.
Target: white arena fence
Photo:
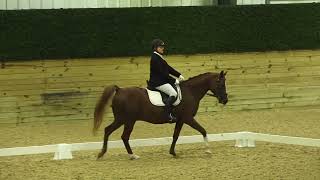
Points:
(243, 139)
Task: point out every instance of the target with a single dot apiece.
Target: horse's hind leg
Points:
(195, 125)
(176, 133)
(107, 131)
(128, 127)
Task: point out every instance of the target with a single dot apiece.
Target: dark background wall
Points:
(73, 33)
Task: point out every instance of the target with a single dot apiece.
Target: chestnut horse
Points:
(132, 104)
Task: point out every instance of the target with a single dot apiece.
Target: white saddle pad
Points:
(156, 99)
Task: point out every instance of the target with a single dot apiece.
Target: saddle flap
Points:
(158, 98)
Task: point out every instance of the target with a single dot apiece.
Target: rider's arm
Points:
(173, 71)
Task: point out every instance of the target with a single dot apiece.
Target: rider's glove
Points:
(181, 78)
(177, 82)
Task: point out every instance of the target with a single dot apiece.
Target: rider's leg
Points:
(169, 90)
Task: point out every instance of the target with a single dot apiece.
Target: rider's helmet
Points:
(156, 43)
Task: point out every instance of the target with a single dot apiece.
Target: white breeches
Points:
(168, 89)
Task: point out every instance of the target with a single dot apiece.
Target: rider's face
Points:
(160, 49)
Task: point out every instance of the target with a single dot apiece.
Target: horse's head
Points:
(218, 88)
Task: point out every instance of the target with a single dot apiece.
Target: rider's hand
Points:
(181, 78)
(177, 82)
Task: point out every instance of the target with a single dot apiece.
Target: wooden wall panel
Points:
(65, 90)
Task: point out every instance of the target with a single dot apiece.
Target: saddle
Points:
(159, 98)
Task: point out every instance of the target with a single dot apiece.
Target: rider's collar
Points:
(158, 54)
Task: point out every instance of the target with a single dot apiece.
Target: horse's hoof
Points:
(173, 154)
(100, 155)
(99, 158)
(208, 151)
(133, 156)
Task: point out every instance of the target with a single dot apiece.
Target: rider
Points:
(160, 78)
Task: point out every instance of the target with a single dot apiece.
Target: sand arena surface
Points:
(266, 161)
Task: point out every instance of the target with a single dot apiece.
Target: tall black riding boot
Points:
(168, 109)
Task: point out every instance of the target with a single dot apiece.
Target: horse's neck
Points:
(199, 89)
(199, 92)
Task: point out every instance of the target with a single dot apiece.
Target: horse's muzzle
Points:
(223, 101)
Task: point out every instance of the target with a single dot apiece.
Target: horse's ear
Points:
(225, 73)
(221, 75)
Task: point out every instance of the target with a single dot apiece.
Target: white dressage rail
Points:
(243, 139)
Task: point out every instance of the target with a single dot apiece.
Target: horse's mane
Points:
(195, 79)
(197, 76)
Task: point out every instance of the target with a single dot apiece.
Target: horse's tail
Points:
(101, 106)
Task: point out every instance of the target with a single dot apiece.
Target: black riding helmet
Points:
(156, 43)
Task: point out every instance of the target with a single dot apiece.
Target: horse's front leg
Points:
(195, 125)
(176, 133)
